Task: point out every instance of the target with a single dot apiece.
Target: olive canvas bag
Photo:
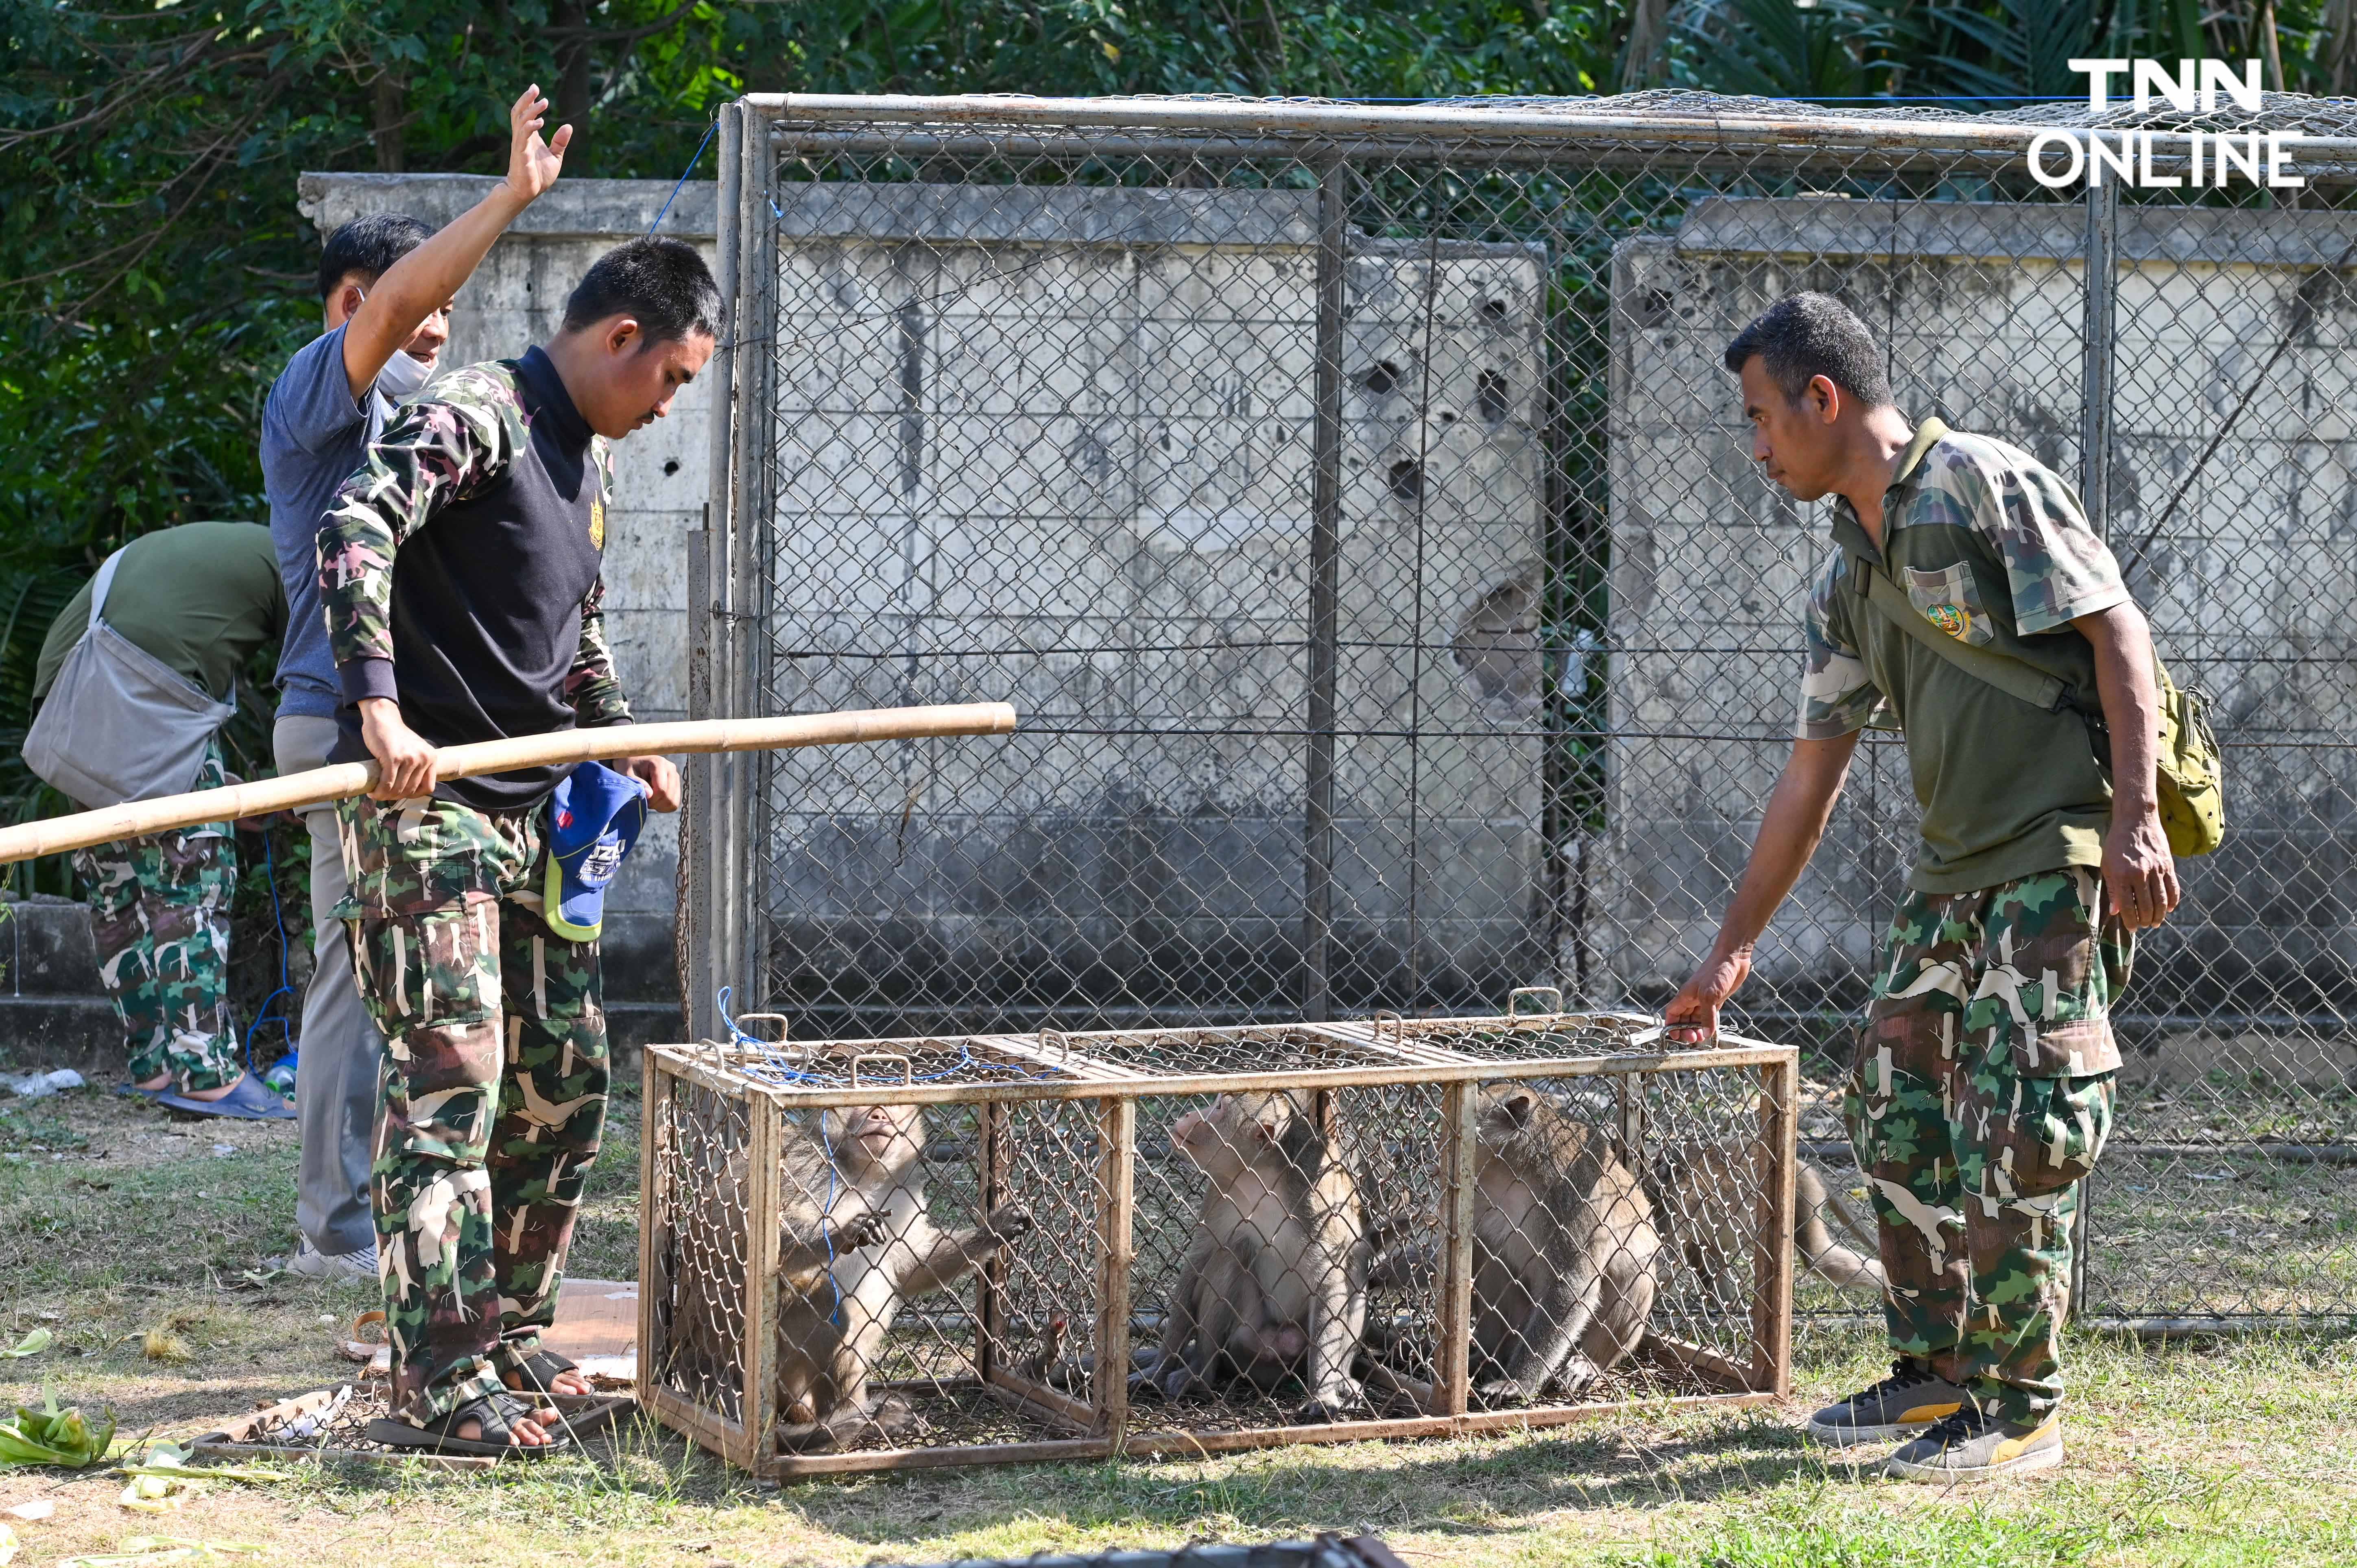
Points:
(119, 724)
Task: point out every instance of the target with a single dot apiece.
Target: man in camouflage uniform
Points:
(199, 599)
(159, 916)
(1982, 1090)
(461, 575)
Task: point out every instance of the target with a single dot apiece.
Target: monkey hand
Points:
(862, 1229)
(1162, 1378)
(1007, 1223)
(1346, 1402)
(1504, 1391)
(1577, 1374)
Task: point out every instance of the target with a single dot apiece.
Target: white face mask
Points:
(400, 376)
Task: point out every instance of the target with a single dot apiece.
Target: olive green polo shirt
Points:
(1991, 548)
(201, 597)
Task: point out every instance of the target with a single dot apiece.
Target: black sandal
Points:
(540, 1372)
(498, 1414)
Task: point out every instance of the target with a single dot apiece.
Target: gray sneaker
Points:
(312, 1263)
(1972, 1446)
(1902, 1405)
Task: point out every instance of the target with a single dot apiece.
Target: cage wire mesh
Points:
(1354, 506)
(1050, 1248)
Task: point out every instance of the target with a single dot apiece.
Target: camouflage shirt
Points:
(1992, 549)
(490, 490)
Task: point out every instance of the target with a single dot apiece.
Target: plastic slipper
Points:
(498, 1413)
(251, 1100)
(540, 1372)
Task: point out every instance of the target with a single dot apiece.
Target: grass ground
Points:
(128, 1236)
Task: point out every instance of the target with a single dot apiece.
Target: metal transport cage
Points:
(1658, 1181)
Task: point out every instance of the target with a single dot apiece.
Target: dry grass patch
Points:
(2224, 1453)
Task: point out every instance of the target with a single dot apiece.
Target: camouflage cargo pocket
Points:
(406, 856)
(433, 970)
(2052, 961)
(2053, 1139)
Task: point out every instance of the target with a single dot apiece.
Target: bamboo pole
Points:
(135, 818)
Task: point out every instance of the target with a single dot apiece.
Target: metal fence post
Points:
(701, 922)
(2101, 287)
(1325, 593)
(740, 573)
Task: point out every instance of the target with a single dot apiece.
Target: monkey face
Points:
(1508, 1111)
(1232, 1133)
(875, 1137)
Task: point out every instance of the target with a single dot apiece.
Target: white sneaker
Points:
(312, 1263)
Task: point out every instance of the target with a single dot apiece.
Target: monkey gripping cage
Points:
(1115, 1150)
(1353, 503)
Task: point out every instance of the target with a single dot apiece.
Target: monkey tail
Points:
(1829, 1259)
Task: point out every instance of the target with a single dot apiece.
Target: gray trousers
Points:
(335, 1079)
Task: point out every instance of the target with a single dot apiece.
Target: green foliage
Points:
(155, 273)
(1790, 48)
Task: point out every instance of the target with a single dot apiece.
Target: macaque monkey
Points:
(856, 1242)
(1708, 1205)
(1276, 1280)
(1563, 1251)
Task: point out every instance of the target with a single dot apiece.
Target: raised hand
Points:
(533, 163)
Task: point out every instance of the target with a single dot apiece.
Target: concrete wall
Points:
(2247, 584)
(1052, 445)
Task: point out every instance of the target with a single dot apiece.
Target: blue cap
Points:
(594, 818)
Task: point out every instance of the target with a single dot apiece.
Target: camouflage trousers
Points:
(160, 912)
(1981, 1097)
(492, 1092)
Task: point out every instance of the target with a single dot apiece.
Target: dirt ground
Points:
(131, 1236)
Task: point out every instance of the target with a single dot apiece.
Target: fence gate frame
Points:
(721, 936)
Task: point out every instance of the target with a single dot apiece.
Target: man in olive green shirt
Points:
(1982, 1087)
(201, 598)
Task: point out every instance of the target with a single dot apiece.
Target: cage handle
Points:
(785, 1025)
(907, 1068)
(1399, 1026)
(1064, 1042)
(1514, 996)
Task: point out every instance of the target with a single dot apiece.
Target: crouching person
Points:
(460, 575)
(1962, 573)
(135, 679)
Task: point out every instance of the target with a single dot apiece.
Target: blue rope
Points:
(683, 174)
(286, 985)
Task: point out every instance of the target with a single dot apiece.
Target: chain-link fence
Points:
(1353, 504)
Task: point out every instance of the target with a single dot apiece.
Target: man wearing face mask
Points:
(385, 289)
